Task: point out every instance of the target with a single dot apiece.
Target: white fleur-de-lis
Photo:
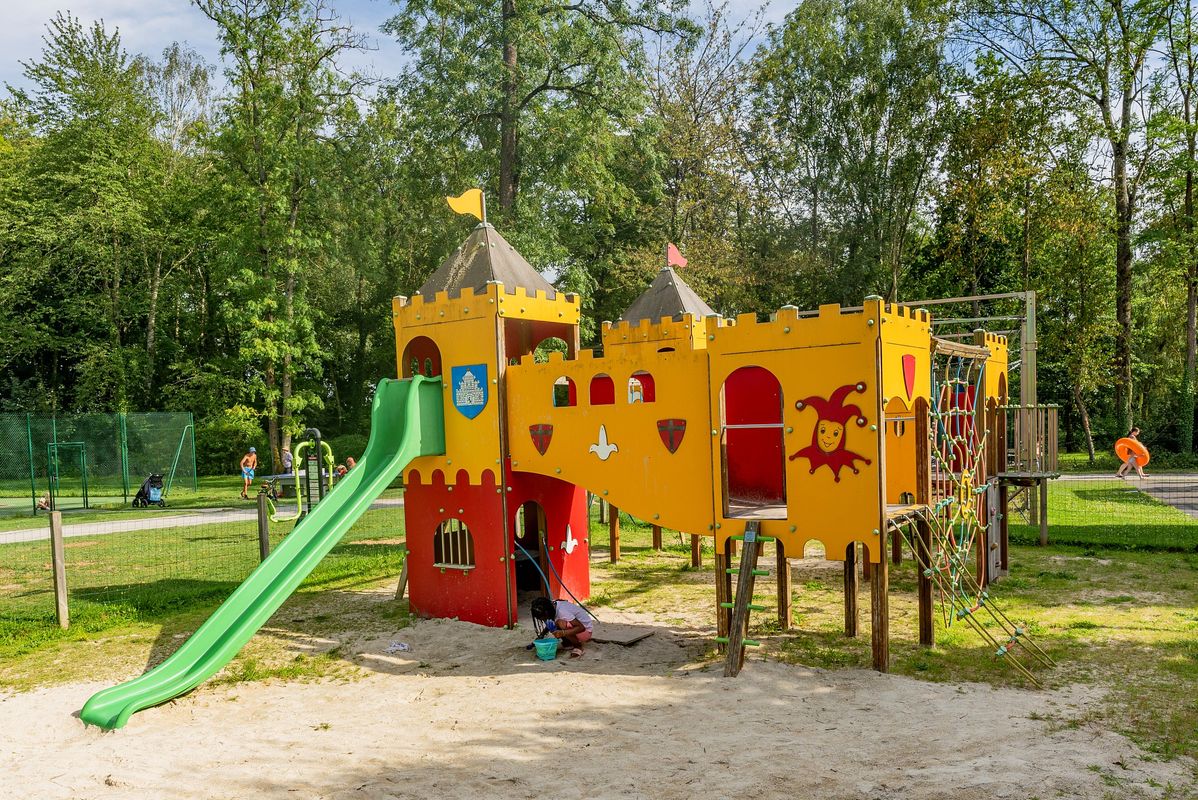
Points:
(602, 448)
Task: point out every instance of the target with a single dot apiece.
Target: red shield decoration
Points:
(541, 436)
(909, 374)
(671, 432)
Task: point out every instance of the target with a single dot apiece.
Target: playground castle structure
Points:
(858, 429)
(851, 428)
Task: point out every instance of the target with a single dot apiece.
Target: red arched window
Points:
(603, 390)
(564, 393)
(754, 453)
(641, 388)
(421, 357)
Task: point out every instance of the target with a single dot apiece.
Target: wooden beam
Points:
(896, 546)
(59, 566)
(403, 577)
(613, 532)
(851, 585)
(1043, 485)
(746, 578)
(785, 587)
(923, 540)
(1003, 502)
(723, 594)
(696, 551)
(879, 610)
(656, 537)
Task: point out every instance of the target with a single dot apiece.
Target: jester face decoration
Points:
(827, 446)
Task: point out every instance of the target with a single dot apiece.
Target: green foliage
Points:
(233, 251)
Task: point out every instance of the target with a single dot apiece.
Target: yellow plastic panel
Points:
(831, 496)
(631, 465)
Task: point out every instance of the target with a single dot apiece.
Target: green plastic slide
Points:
(407, 422)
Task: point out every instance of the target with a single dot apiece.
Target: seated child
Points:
(574, 626)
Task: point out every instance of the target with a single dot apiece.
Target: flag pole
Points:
(484, 199)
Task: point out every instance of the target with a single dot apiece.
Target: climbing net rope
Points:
(957, 438)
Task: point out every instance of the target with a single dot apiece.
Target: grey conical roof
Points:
(485, 256)
(667, 296)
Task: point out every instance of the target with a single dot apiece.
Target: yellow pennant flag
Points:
(469, 202)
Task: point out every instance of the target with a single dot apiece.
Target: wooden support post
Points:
(723, 594)
(850, 590)
(866, 568)
(785, 587)
(656, 537)
(613, 532)
(879, 609)
(403, 577)
(746, 577)
(923, 558)
(696, 551)
(602, 510)
(59, 566)
(1003, 510)
(1043, 511)
(896, 546)
(263, 527)
(731, 549)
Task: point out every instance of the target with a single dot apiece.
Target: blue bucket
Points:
(546, 649)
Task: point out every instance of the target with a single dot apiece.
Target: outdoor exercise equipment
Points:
(311, 483)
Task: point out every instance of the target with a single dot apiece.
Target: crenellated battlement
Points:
(687, 330)
(494, 300)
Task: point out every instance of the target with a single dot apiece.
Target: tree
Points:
(1098, 50)
(506, 79)
(847, 101)
(1182, 55)
(282, 58)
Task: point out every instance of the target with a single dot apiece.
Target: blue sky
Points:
(148, 26)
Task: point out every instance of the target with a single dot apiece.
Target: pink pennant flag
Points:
(673, 257)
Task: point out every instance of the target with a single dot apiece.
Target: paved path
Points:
(200, 516)
(1178, 489)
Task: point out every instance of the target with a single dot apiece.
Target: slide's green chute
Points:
(407, 421)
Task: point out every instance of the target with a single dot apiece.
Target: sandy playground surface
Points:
(469, 713)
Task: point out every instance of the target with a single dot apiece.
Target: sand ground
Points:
(469, 713)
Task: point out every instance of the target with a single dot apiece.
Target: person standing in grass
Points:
(249, 462)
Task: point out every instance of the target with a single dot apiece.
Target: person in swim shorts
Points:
(249, 462)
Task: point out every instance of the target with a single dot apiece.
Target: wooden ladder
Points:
(736, 640)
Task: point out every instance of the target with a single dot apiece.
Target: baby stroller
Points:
(150, 493)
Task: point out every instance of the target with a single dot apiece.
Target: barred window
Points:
(453, 546)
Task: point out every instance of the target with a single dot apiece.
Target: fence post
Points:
(58, 563)
(263, 527)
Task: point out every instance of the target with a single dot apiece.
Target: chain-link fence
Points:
(90, 460)
(1101, 511)
(128, 569)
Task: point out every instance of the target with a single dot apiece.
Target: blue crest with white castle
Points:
(469, 387)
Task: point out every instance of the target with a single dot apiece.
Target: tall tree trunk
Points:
(509, 129)
(1123, 282)
(152, 322)
(1080, 402)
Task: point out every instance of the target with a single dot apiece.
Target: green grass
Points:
(1124, 621)
(146, 578)
(1106, 461)
(1110, 514)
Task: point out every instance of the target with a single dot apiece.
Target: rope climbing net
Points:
(957, 514)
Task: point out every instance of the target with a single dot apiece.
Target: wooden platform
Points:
(621, 634)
